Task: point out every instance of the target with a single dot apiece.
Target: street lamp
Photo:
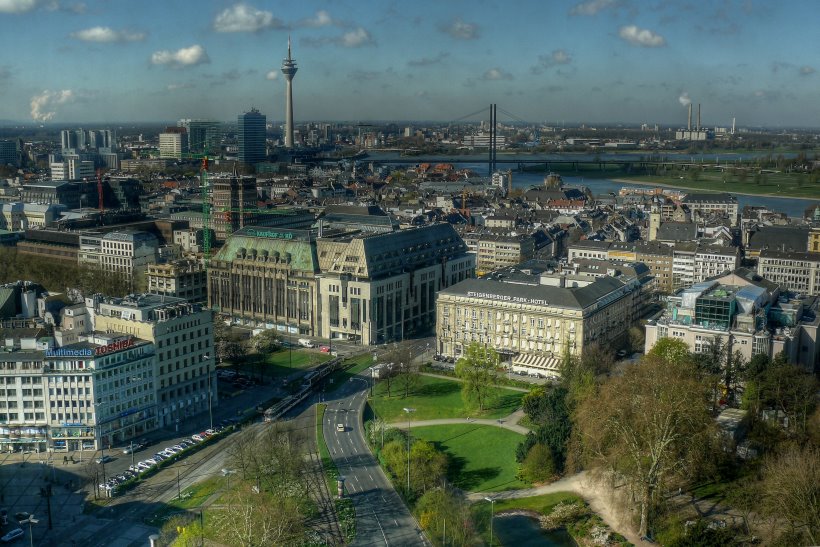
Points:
(207, 357)
(102, 444)
(492, 514)
(30, 520)
(408, 411)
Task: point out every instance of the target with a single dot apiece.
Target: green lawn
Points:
(482, 457)
(280, 363)
(436, 398)
(193, 496)
(796, 185)
(356, 365)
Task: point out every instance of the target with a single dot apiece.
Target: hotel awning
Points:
(538, 361)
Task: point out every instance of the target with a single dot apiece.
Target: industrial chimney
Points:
(698, 117)
(689, 123)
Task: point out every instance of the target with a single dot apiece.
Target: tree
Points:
(647, 427)
(428, 466)
(478, 370)
(226, 344)
(548, 410)
(445, 517)
(791, 490)
(637, 338)
(789, 389)
(539, 465)
(266, 341)
(672, 351)
(395, 360)
(251, 519)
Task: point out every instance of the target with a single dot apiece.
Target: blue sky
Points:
(593, 61)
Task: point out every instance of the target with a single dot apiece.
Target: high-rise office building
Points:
(250, 132)
(173, 143)
(204, 136)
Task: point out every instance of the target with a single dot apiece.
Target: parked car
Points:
(105, 459)
(12, 535)
(324, 349)
(136, 446)
(198, 438)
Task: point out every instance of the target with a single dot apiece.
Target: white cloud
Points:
(557, 57)
(245, 18)
(321, 19)
(684, 99)
(462, 30)
(591, 7)
(641, 37)
(272, 75)
(174, 87)
(495, 74)
(43, 105)
(187, 56)
(107, 35)
(806, 70)
(77, 8)
(17, 6)
(355, 38)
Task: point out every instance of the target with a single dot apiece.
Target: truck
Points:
(304, 342)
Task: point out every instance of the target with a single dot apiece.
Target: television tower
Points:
(289, 70)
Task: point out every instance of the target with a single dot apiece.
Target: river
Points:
(793, 207)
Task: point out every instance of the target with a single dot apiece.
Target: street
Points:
(382, 518)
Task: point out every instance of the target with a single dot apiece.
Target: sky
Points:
(545, 61)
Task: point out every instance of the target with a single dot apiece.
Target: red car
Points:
(324, 349)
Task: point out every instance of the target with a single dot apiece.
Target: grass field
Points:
(193, 496)
(357, 365)
(436, 398)
(795, 185)
(482, 457)
(280, 363)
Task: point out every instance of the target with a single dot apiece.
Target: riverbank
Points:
(684, 186)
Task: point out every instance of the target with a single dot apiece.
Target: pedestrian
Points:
(65, 460)
(72, 459)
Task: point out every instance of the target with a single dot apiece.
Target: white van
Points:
(305, 343)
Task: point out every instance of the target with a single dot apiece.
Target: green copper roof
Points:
(272, 243)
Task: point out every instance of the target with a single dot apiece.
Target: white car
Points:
(340, 427)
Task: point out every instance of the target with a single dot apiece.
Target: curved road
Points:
(382, 518)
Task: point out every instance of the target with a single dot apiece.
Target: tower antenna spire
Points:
(289, 57)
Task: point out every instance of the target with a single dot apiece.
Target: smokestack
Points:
(689, 123)
(733, 126)
(698, 116)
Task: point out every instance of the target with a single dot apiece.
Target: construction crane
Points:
(100, 191)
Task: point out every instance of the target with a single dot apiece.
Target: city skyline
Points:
(594, 61)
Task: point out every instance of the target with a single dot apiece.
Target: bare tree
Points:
(647, 427)
(791, 490)
(249, 519)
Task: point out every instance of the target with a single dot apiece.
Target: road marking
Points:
(372, 479)
(397, 523)
(380, 527)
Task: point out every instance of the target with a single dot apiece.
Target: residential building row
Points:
(673, 266)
